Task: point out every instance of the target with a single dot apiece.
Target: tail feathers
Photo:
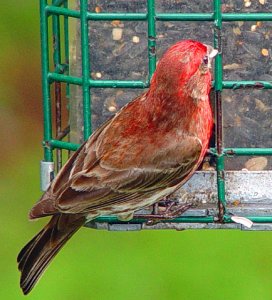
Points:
(44, 207)
(37, 254)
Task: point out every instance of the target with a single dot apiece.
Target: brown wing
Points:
(114, 168)
(98, 185)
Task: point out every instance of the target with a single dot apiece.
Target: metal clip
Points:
(46, 174)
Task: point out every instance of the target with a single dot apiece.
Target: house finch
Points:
(144, 153)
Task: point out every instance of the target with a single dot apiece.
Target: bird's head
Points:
(185, 68)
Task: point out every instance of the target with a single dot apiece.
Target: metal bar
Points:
(58, 122)
(61, 68)
(257, 84)
(97, 83)
(184, 17)
(247, 151)
(53, 10)
(62, 134)
(227, 17)
(85, 68)
(64, 78)
(117, 84)
(97, 16)
(247, 17)
(47, 127)
(58, 2)
(151, 37)
(113, 219)
(66, 46)
(219, 122)
(218, 110)
(56, 42)
(57, 85)
(116, 16)
(208, 219)
(55, 76)
(52, 144)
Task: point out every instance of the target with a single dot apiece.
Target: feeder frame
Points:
(51, 84)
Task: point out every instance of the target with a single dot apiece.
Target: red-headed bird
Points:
(150, 148)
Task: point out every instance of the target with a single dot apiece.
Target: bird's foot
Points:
(172, 210)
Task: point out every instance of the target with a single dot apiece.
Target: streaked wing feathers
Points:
(99, 186)
(88, 182)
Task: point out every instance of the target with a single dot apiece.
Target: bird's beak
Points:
(211, 52)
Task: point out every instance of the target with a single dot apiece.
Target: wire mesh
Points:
(52, 79)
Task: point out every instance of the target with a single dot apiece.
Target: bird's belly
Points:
(131, 206)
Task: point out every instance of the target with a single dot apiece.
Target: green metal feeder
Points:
(73, 93)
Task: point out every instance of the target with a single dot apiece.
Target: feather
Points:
(144, 153)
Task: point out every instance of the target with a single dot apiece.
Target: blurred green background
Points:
(95, 264)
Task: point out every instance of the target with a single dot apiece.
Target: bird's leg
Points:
(172, 210)
(155, 208)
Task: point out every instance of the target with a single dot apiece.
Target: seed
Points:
(233, 66)
(115, 23)
(256, 163)
(112, 108)
(262, 106)
(135, 39)
(265, 52)
(247, 4)
(236, 202)
(117, 34)
(236, 31)
(98, 9)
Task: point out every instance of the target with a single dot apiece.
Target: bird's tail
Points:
(37, 254)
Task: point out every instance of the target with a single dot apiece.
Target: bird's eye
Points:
(205, 60)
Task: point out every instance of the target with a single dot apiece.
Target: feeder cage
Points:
(99, 54)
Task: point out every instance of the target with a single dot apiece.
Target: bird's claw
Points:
(172, 211)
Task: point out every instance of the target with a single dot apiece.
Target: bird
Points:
(143, 154)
